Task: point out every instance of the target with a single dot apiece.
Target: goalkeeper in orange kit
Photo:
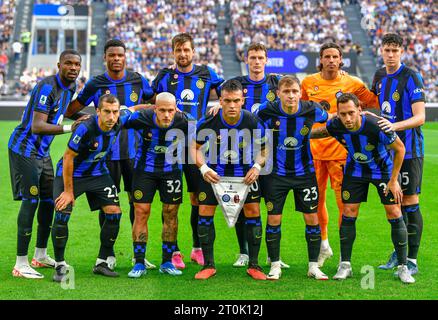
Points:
(329, 155)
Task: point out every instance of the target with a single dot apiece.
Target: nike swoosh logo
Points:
(342, 239)
(402, 243)
(252, 197)
(258, 237)
(113, 240)
(275, 130)
(56, 110)
(202, 235)
(61, 237)
(176, 199)
(313, 207)
(28, 233)
(173, 83)
(270, 240)
(313, 240)
(412, 234)
(391, 200)
(404, 189)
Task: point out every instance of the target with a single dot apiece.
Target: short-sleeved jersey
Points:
(191, 89)
(290, 136)
(397, 93)
(133, 89)
(325, 92)
(161, 149)
(368, 155)
(92, 146)
(51, 97)
(231, 150)
(258, 92)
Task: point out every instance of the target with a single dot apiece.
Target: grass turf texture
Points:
(372, 247)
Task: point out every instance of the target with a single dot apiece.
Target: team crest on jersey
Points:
(396, 96)
(277, 123)
(339, 93)
(200, 84)
(369, 147)
(202, 196)
(304, 131)
(133, 97)
(107, 91)
(270, 96)
(43, 99)
(345, 195)
(316, 88)
(386, 107)
(175, 76)
(245, 91)
(34, 190)
(138, 194)
(269, 206)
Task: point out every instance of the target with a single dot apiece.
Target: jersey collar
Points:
(256, 82)
(115, 81)
(397, 72)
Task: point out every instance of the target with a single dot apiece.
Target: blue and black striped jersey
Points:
(258, 92)
(51, 97)
(133, 89)
(191, 89)
(368, 155)
(290, 136)
(92, 146)
(397, 92)
(231, 150)
(161, 149)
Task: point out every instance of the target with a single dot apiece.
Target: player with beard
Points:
(131, 89)
(193, 86)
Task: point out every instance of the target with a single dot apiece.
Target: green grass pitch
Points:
(372, 246)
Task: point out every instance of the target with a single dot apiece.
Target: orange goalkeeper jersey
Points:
(315, 88)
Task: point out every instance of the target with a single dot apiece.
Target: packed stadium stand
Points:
(7, 9)
(416, 22)
(289, 24)
(147, 27)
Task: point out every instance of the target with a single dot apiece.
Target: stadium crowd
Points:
(7, 9)
(289, 24)
(417, 23)
(147, 27)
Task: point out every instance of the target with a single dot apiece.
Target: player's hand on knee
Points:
(64, 200)
(396, 191)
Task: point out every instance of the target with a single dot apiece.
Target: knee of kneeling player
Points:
(311, 219)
